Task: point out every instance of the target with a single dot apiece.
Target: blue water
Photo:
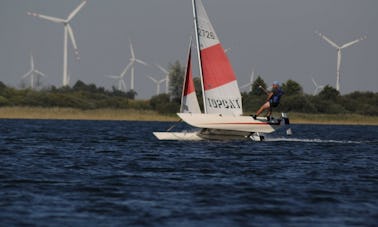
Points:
(110, 173)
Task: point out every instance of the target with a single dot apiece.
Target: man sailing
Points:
(273, 100)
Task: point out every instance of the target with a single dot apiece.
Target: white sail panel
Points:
(218, 77)
(190, 104)
(222, 101)
(206, 32)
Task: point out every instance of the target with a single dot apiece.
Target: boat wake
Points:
(304, 140)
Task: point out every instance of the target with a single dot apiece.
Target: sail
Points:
(189, 102)
(221, 91)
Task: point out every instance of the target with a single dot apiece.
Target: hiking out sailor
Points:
(273, 100)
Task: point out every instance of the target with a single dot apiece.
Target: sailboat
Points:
(223, 112)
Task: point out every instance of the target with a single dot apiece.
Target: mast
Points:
(199, 53)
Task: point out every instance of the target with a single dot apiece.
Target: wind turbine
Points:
(250, 81)
(32, 72)
(67, 32)
(68, 78)
(166, 74)
(132, 62)
(317, 87)
(121, 82)
(120, 78)
(339, 48)
(157, 82)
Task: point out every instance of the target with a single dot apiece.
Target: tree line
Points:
(89, 96)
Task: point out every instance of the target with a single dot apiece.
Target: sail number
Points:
(206, 34)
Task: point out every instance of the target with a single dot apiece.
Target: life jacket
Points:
(275, 100)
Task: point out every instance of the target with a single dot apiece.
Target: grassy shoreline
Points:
(148, 115)
(58, 113)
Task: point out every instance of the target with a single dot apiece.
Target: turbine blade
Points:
(39, 73)
(353, 42)
(132, 50)
(153, 79)
(141, 62)
(75, 11)
(112, 76)
(123, 84)
(53, 19)
(245, 85)
(162, 69)
(327, 39)
(72, 37)
(252, 75)
(27, 74)
(126, 69)
(314, 82)
(119, 85)
(31, 62)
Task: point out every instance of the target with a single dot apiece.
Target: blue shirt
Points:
(275, 99)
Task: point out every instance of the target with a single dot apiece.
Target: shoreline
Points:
(57, 113)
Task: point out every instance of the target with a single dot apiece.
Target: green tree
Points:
(131, 94)
(176, 79)
(2, 86)
(297, 103)
(292, 88)
(79, 86)
(89, 96)
(162, 104)
(329, 93)
(256, 90)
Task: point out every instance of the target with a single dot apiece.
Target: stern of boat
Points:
(285, 119)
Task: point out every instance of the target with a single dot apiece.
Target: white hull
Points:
(190, 136)
(208, 134)
(233, 123)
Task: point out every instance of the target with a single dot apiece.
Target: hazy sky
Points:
(275, 37)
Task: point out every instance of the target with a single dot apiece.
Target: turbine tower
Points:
(132, 62)
(157, 82)
(317, 87)
(166, 74)
(339, 48)
(67, 32)
(32, 72)
(250, 81)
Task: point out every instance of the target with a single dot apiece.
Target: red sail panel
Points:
(189, 84)
(216, 67)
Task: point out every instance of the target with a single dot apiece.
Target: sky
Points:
(274, 37)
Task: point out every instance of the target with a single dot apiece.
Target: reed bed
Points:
(79, 114)
(148, 115)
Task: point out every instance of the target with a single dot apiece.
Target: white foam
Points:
(304, 140)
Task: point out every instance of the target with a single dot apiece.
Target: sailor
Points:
(273, 100)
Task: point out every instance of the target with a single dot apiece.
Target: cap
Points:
(276, 82)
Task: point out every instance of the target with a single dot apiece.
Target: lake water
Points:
(115, 173)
